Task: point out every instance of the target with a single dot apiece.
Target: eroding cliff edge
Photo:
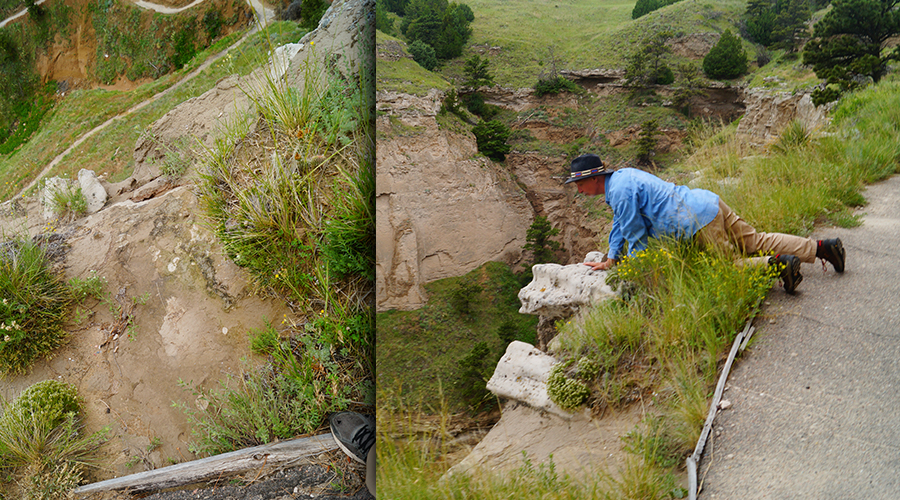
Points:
(441, 208)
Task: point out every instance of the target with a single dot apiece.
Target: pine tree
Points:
(538, 241)
(850, 44)
(476, 72)
(727, 59)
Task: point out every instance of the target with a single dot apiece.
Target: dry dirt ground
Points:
(190, 323)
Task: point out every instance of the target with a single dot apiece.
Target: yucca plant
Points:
(34, 300)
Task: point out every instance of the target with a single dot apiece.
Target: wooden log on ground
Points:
(235, 462)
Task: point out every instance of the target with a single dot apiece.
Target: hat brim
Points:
(588, 176)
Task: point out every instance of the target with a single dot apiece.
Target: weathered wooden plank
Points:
(694, 459)
(235, 462)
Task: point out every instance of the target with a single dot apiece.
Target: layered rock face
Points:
(441, 208)
(769, 113)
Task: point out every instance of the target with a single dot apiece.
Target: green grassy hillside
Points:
(583, 34)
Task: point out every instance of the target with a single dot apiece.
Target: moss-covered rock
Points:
(567, 393)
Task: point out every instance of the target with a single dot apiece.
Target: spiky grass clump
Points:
(35, 300)
(68, 203)
(300, 219)
(42, 445)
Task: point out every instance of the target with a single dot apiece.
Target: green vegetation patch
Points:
(598, 34)
(301, 222)
(404, 74)
(35, 300)
(420, 351)
(10, 7)
(43, 451)
(139, 43)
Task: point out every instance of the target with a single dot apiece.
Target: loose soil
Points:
(192, 326)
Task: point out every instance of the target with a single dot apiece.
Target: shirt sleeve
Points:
(615, 240)
(631, 224)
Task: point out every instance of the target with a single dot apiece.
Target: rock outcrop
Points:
(92, 190)
(532, 424)
(560, 291)
(521, 375)
(441, 208)
(768, 113)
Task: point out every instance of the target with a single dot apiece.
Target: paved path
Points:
(816, 399)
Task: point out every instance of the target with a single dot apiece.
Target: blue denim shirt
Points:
(645, 206)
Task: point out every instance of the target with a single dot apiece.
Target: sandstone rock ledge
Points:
(559, 291)
(532, 423)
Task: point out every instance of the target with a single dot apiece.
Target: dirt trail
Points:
(262, 12)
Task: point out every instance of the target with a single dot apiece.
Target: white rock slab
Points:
(93, 191)
(522, 375)
(52, 186)
(560, 291)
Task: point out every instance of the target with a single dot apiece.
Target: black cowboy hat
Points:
(585, 166)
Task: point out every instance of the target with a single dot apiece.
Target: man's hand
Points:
(601, 266)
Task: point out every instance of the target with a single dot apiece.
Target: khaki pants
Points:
(732, 234)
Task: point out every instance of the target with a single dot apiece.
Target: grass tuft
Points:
(41, 442)
(300, 220)
(35, 300)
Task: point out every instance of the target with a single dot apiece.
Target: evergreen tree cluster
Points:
(779, 24)
(727, 59)
(850, 45)
(442, 25)
(643, 7)
(647, 66)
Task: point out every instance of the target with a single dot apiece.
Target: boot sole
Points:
(839, 256)
(792, 277)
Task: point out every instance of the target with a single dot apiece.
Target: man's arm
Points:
(602, 266)
(632, 227)
(615, 239)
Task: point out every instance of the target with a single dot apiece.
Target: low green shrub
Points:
(35, 300)
(212, 23)
(567, 393)
(48, 401)
(556, 85)
(92, 286)
(727, 59)
(475, 104)
(42, 447)
(423, 54)
(491, 139)
(464, 295)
